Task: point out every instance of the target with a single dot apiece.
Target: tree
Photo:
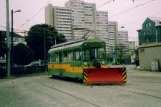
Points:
(61, 38)
(22, 55)
(3, 45)
(137, 57)
(120, 52)
(36, 35)
(108, 57)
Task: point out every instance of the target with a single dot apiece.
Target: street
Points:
(143, 89)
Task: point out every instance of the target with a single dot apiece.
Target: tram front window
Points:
(100, 53)
(93, 53)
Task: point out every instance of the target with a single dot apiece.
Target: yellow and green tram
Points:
(85, 60)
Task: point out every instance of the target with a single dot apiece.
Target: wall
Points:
(146, 55)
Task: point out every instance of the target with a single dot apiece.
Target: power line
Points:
(141, 19)
(36, 13)
(108, 2)
(105, 3)
(133, 8)
(2, 26)
(10, 28)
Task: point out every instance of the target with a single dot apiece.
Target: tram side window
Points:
(77, 55)
(81, 55)
(86, 55)
(51, 57)
(65, 56)
(70, 56)
(57, 57)
(100, 53)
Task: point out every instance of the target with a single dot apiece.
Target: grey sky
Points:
(31, 7)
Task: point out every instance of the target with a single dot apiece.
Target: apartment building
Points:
(78, 14)
(112, 34)
(131, 46)
(82, 16)
(102, 27)
(122, 39)
(60, 18)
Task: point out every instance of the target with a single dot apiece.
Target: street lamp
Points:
(122, 27)
(11, 61)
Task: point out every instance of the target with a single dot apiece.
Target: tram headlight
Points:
(103, 62)
(85, 63)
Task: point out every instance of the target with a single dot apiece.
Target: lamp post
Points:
(11, 61)
(7, 37)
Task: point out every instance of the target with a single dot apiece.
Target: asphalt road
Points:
(142, 90)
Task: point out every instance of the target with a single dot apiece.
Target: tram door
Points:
(60, 65)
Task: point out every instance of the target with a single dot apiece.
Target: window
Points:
(52, 57)
(57, 57)
(86, 55)
(149, 24)
(100, 53)
(65, 58)
(70, 56)
(77, 56)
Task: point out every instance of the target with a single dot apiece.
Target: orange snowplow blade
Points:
(105, 75)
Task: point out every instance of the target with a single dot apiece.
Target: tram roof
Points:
(72, 44)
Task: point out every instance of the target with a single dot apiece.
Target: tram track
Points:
(135, 92)
(68, 94)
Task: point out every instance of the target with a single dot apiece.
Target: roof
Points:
(149, 45)
(3, 33)
(156, 20)
(73, 44)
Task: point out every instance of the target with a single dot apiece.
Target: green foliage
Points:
(137, 57)
(108, 57)
(61, 38)
(35, 39)
(3, 46)
(121, 55)
(22, 55)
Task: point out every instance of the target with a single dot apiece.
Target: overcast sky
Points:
(31, 7)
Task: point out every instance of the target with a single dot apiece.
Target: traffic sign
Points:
(113, 54)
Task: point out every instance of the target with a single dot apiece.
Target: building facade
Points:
(122, 39)
(80, 15)
(150, 32)
(102, 27)
(112, 34)
(83, 16)
(131, 46)
(60, 18)
(16, 40)
(148, 54)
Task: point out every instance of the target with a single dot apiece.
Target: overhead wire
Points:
(35, 14)
(105, 3)
(10, 28)
(133, 8)
(141, 19)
